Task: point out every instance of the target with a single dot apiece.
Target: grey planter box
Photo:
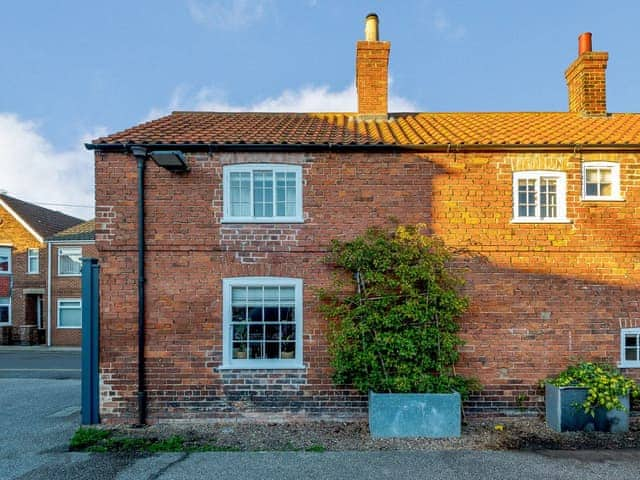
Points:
(564, 412)
(432, 415)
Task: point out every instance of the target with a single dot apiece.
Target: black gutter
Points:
(141, 156)
(379, 147)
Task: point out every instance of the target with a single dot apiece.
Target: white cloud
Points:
(227, 14)
(305, 99)
(446, 27)
(34, 171)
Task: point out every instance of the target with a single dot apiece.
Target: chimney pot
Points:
(584, 43)
(371, 28)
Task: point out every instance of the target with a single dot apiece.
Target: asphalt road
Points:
(39, 362)
(39, 415)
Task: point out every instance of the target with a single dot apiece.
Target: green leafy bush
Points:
(604, 382)
(398, 331)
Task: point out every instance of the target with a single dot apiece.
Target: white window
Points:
(630, 347)
(601, 181)
(539, 196)
(69, 313)
(5, 311)
(262, 322)
(33, 260)
(5, 259)
(262, 193)
(69, 262)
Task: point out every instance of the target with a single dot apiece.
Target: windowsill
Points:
(68, 328)
(629, 365)
(261, 220)
(538, 220)
(264, 366)
(69, 275)
(602, 199)
(6, 324)
(33, 273)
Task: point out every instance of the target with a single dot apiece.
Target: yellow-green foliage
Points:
(605, 385)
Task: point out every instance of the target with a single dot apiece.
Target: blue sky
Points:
(75, 69)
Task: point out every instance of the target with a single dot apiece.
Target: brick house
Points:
(64, 286)
(237, 223)
(24, 228)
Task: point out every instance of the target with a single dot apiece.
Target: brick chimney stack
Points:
(586, 79)
(372, 72)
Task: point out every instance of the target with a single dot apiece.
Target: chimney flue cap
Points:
(371, 28)
(584, 43)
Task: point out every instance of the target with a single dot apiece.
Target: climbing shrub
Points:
(397, 330)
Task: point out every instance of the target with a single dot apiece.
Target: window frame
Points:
(615, 182)
(561, 196)
(227, 170)
(60, 254)
(8, 305)
(59, 301)
(10, 253)
(227, 335)
(624, 332)
(37, 258)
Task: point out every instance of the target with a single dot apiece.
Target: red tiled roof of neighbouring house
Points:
(43, 221)
(399, 129)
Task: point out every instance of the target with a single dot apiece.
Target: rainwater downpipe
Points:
(141, 156)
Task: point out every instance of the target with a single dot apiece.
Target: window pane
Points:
(591, 175)
(33, 264)
(240, 194)
(4, 310)
(605, 175)
(285, 194)
(239, 350)
(5, 257)
(605, 189)
(239, 332)
(272, 349)
(255, 350)
(631, 341)
(69, 261)
(271, 296)
(526, 198)
(263, 319)
(69, 317)
(548, 198)
(287, 295)
(238, 295)
(263, 193)
(631, 354)
(592, 189)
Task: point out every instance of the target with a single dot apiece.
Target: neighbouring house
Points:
(64, 286)
(212, 254)
(24, 228)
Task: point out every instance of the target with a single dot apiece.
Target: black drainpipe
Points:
(141, 155)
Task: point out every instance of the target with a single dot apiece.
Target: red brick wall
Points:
(586, 81)
(542, 295)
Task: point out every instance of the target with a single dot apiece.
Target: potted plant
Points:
(589, 396)
(395, 335)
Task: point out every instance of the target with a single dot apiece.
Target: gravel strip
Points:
(495, 434)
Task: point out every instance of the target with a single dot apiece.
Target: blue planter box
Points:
(432, 415)
(564, 412)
